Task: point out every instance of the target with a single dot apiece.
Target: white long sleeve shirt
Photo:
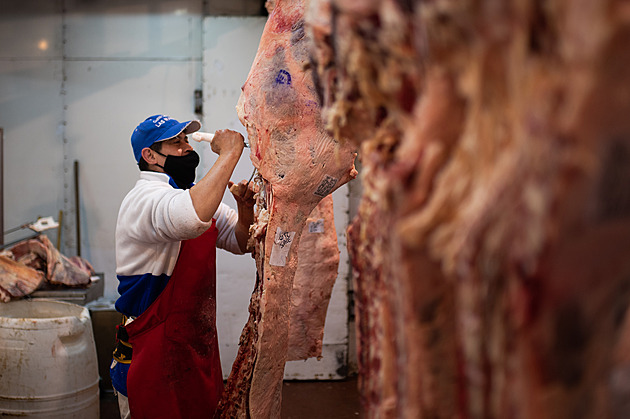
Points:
(153, 219)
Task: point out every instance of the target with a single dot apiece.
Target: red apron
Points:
(175, 371)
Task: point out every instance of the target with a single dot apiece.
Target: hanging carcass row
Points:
(299, 164)
(492, 248)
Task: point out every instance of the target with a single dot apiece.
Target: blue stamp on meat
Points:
(283, 77)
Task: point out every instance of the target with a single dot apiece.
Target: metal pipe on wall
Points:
(59, 230)
(77, 206)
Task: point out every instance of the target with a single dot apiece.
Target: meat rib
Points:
(299, 164)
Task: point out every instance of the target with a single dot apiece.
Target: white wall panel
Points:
(31, 115)
(30, 29)
(158, 29)
(31, 112)
(229, 48)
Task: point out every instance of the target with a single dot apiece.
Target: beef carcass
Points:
(491, 253)
(17, 280)
(40, 253)
(318, 262)
(299, 164)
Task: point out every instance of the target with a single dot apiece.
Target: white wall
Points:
(31, 113)
(77, 77)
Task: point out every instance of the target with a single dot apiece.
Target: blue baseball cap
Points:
(159, 128)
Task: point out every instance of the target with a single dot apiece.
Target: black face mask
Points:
(181, 168)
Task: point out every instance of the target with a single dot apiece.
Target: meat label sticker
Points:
(281, 246)
(316, 226)
(325, 186)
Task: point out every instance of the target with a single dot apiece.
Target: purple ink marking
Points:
(283, 77)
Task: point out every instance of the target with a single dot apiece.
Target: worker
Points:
(166, 362)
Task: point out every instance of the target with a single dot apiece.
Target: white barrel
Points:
(48, 363)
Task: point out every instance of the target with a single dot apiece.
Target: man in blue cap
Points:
(166, 362)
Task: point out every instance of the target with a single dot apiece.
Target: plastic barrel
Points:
(48, 363)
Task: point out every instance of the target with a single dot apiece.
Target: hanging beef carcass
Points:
(492, 249)
(369, 86)
(299, 164)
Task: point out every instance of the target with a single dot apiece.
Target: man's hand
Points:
(226, 140)
(206, 195)
(244, 196)
(243, 193)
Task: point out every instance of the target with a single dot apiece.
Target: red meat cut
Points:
(318, 263)
(17, 280)
(40, 253)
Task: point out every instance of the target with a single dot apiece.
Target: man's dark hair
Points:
(142, 164)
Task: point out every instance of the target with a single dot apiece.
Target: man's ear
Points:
(148, 155)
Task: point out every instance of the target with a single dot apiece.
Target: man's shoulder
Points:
(151, 181)
(145, 190)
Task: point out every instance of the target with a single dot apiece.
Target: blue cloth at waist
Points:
(138, 292)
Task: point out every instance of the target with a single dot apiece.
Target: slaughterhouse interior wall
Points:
(75, 79)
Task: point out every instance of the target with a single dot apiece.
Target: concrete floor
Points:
(300, 400)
